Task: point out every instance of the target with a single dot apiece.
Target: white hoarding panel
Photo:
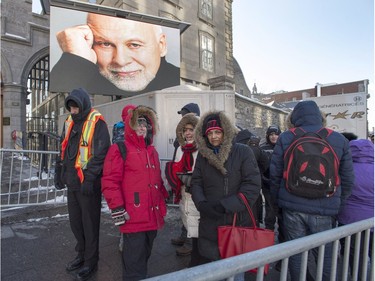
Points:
(345, 113)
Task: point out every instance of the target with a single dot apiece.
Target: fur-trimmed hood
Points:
(131, 123)
(189, 118)
(230, 132)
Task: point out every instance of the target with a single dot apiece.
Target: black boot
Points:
(86, 272)
(75, 264)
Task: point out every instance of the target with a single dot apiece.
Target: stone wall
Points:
(256, 116)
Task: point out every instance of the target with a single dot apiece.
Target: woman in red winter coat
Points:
(135, 192)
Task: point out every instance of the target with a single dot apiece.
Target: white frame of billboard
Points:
(111, 11)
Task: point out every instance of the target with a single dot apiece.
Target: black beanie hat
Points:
(273, 129)
(254, 140)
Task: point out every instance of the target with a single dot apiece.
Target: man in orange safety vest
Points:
(85, 141)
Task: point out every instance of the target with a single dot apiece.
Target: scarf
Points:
(183, 166)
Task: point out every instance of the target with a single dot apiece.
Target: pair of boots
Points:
(185, 244)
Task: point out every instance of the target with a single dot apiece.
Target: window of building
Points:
(206, 10)
(206, 47)
(37, 7)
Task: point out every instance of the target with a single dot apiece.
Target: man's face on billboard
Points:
(128, 52)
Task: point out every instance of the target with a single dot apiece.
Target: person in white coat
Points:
(179, 172)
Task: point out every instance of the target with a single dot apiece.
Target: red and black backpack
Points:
(311, 165)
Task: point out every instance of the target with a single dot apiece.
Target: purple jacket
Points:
(360, 204)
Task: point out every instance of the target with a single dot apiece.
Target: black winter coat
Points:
(211, 183)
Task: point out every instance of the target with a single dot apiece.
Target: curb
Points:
(21, 214)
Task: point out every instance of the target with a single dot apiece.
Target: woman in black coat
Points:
(223, 169)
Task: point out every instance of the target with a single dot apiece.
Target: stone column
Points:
(14, 110)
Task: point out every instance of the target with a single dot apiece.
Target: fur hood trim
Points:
(230, 132)
(189, 118)
(141, 110)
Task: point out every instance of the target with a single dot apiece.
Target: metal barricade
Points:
(26, 178)
(227, 268)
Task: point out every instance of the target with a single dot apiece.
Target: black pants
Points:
(84, 216)
(270, 217)
(196, 258)
(135, 254)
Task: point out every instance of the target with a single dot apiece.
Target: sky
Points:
(292, 45)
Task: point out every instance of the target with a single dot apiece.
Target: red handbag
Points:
(235, 240)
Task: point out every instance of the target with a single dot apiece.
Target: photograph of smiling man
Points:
(110, 55)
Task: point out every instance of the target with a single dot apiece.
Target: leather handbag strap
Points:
(248, 209)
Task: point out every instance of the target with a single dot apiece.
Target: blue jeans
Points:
(298, 225)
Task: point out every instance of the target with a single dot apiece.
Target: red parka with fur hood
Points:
(136, 183)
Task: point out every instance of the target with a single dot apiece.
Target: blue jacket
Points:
(307, 115)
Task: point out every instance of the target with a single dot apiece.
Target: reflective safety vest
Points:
(85, 143)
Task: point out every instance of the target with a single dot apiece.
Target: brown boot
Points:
(179, 241)
(183, 251)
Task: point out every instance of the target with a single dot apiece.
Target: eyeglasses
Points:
(143, 125)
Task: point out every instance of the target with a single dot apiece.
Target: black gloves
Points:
(120, 216)
(212, 209)
(87, 188)
(57, 178)
(219, 208)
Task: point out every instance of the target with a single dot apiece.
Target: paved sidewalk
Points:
(37, 249)
(36, 243)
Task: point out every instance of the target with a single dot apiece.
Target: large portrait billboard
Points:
(110, 55)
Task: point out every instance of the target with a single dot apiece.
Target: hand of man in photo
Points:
(78, 40)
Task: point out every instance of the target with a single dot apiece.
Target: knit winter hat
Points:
(273, 129)
(213, 123)
(254, 140)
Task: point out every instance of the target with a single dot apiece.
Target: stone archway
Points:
(31, 63)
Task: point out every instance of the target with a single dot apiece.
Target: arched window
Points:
(42, 118)
(37, 82)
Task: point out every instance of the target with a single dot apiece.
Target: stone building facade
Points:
(24, 41)
(257, 116)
